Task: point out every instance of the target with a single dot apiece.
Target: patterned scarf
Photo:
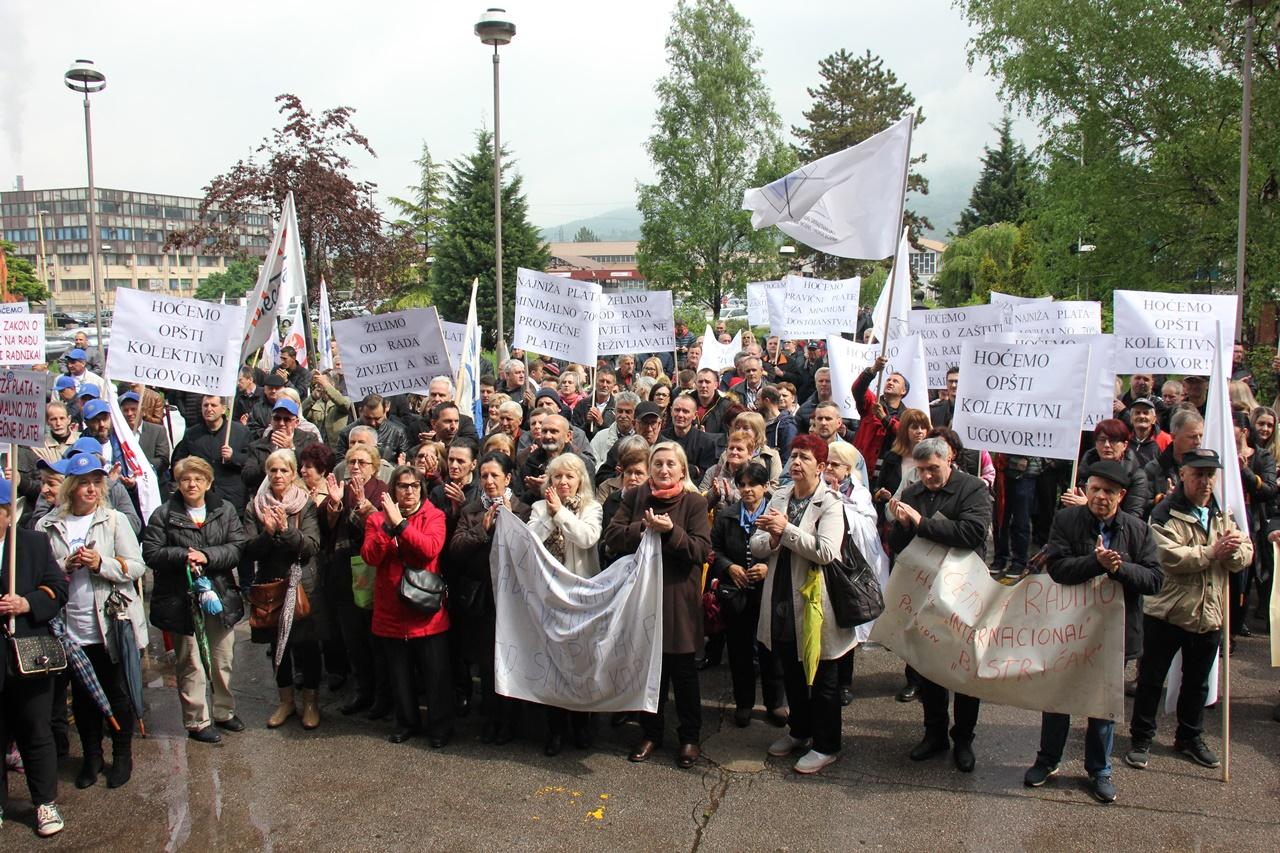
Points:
(555, 541)
(488, 502)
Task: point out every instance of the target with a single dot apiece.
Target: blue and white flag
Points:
(468, 379)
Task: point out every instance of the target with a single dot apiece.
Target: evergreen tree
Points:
(240, 276)
(22, 279)
(716, 135)
(422, 214)
(585, 235)
(464, 250)
(1000, 195)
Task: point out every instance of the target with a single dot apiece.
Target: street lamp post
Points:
(44, 265)
(85, 78)
(493, 28)
(1246, 115)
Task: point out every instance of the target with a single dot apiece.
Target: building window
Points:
(173, 284)
(72, 260)
(114, 283)
(209, 261)
(74, 284)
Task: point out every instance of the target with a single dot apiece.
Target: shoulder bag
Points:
(852, 588)
(422, 590)
(37, 656)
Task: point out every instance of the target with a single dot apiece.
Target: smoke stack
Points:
(18, 183)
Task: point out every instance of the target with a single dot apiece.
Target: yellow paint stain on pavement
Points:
(604, 796)
(598, 814)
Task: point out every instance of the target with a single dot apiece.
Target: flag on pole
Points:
(1220, 433)
(281, 281)
(323, 348)
(847, 204)
(467, 386)
(296, 336)
(135, 463)
(899, 285)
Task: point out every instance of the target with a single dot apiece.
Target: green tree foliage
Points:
(465, 248)
(1001, 193)
(1139, 104)
(22, 280)
(585, 235)
(239, 278)
(716, 135)
(422, 213)
(987, 258)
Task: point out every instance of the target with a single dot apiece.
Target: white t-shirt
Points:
(198, 514)
(82, 617)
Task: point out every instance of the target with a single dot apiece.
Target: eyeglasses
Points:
(1106, 439)
(358, 463)
(408, 486)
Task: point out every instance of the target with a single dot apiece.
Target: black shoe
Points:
(1038, 774)
(1102, 789)
(380, 710)
(121, 770)
(233, 724)
(907, 694)
(400, 735)
(621, 718)
(1139, 755)
(742, 717)
(337, 681)
(206, 735)
(1242, 630)
(359, 702)
(89, 770)
(553, 745)
(929, 747)
(846, 697)
(506, 733)
(964, 758)
(440, 741)
(1197, 752)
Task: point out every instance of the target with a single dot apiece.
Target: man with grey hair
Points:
(515, 382)
(624, 424)
(363, 436)
(1187, 428)
(952, 508)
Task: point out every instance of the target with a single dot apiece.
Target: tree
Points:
(585, 235)
(338, 224)
(717, 134)
(22, 278)
(1001, 193)
(465, 248)
(858, 98)
(239, 278)
(979, 262)
(422, 214)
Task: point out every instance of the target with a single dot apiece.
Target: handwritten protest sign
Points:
(1057, 318)
(556, 316)
(21, 339)
(390, 354)
(170, 342)
(816, 308)
(585, 644)
(1170, 332)
(22, 397)
(15, 307)
(453, 338)
(944, 330)
(847, 360)
(635, 321)
(758, 301)
(1037, 644)
(1099, 385)
(1011, 398)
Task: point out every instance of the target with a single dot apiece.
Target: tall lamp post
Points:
(44, 265)
(85, 78)
(493, 28)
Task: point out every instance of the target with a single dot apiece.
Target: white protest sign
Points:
(635, 321)
(1170, 332)
(390, 354)
(170, 342)
(997, 298)
(1037, 644)
(22, 397)
(776, 306)
(15, 307)
(1057, 318)
(945, 329)
(847, 360)
(556, 316)
(816, 308)
(1100, 384)
(21, 339)
(1012, 398)
(454, 333)
(716, 355)
(584, 644)
(758, 301)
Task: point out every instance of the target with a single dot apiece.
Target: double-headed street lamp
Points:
(84, 77)
(494, 28)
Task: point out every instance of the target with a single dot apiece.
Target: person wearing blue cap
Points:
(39, 591)
(284, 433)
(152, 438)
(64, 392)
(78, 370)
(59, 435)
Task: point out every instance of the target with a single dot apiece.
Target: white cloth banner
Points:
(1170, 332)
(1037, 644)
(635, 321)
(22, 399)
(390, 354)
(454, 334)
(21, 339)
(816, 308)
(467, 385)
(170, 342)
(1219, 429)
(293, 332)
(1057, 318)
(894, 320)
(758, 301)
(847, 360)
(556, 316)
(847, 204)
(281, 279)
(945, 329)
(1011, 398)
(584, 644)
(135, 462)
(324, 346)
(716, 355)
(1100, 384)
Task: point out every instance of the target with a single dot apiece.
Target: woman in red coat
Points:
(410, 531)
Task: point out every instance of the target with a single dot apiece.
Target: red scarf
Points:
(666, 494)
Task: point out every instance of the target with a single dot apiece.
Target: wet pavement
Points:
(344, 787)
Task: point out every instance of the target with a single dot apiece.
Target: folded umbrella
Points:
(123, 642)
(82, 670)
(197, 621)
(286, 613)
(811, 624)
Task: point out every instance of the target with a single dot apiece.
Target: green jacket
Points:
(329, 410)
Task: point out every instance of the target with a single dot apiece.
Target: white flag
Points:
(1219, 428)
(295, 336)
(281, 280)
(847, 204)
(468, 381)
(897, 285)
(135, 463)
(324, 349)
(716, 355)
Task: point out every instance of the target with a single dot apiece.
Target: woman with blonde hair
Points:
(498, 442)
(896, 463)
(752, 423)
(653, 368)
(1242, 399)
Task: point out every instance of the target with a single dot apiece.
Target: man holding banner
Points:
(1088, 541)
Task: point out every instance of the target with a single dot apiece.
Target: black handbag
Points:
(232, 600)
(37, 656)
(422, 590)
(732, 598)
(851, 584)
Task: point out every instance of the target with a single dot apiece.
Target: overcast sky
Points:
(191, 92)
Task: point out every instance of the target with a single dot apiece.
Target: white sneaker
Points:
(48, 820)
(813, 761)
(787, 744)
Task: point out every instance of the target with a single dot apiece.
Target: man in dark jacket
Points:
(392, 439)
(284, 433)
(260, 414)
(247, 396)
(1187, 428)
(779, 425)
(715, 412)
(594, 412)
(699, 447)
(1086, 542)
(225, 453)
(951, 508)
(800, 372)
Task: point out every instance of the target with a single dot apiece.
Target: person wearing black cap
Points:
(1198, 545)
(260, 414)
(1094, 540)
(648, 425)
(800, 372)
(40, 590)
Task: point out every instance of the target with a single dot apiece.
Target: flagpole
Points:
(1221, 376)
(11, 552)
(1075, 465)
